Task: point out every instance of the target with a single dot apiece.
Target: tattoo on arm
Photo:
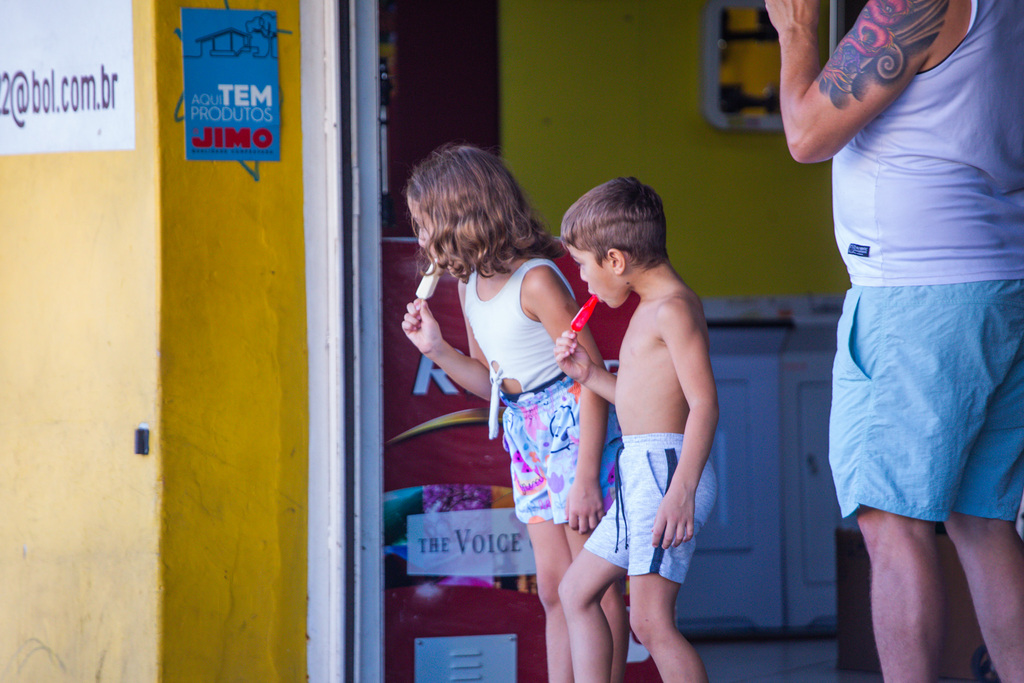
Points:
(876, 49)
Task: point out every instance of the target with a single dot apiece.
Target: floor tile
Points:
(778, 661)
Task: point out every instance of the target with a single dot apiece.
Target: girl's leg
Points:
(552, 555)
(652, 615)
(614, 607)
(582, 590)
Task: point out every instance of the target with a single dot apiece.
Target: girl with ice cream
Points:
(472, 220)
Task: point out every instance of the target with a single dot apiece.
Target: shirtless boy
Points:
(664, 389)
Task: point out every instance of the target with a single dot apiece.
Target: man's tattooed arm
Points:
(875, 51)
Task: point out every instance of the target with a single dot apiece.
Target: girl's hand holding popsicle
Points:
(419, 324)
(421, 328)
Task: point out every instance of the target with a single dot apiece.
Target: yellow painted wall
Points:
(79, 511)
(594, 89)
(233, 370)
(136, 286)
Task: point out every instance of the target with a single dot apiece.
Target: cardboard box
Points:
(855, 637)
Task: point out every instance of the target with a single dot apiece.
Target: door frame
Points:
(341, 171)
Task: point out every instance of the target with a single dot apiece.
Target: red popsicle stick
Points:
(580, 321)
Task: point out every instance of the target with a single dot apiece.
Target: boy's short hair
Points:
(621, 214)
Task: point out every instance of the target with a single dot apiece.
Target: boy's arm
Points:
(684, 330)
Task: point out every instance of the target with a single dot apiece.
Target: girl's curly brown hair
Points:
(480, 218)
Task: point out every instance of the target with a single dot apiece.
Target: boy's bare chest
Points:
(647, 393)
(643, 357)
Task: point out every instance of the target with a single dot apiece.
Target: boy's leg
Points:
(582, 591)
(652, 615)
(907, 594)
(992, 555)
(552, 555)
(614, 607)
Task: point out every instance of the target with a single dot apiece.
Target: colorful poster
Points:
(457, 561)
(232, 95)
(66, 77)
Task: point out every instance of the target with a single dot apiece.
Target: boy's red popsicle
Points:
(583, 316)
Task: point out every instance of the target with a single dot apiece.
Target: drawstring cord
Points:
(492, 418)
(619, 502)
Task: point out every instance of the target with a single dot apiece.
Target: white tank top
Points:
(932, 190)
(522, 348)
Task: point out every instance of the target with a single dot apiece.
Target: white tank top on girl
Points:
(932, 190)
(520, 346)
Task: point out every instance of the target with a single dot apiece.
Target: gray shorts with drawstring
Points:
(623, 537)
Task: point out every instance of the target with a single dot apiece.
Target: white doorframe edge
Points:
(322, 206)
(345, 567)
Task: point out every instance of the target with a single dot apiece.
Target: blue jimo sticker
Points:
(858, 250)
(231, 99)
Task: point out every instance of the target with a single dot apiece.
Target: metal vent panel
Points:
(490, 659)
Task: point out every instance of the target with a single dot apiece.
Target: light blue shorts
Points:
(928, 400)
(542, 436)
(623, 536)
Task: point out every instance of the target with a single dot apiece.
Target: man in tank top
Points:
(920, 109)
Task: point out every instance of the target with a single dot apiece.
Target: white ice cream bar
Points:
(429, 283)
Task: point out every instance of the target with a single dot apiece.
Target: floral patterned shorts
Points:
(542, 436)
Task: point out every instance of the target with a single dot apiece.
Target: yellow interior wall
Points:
(233, 368)
(604, 88)
(79, 257)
